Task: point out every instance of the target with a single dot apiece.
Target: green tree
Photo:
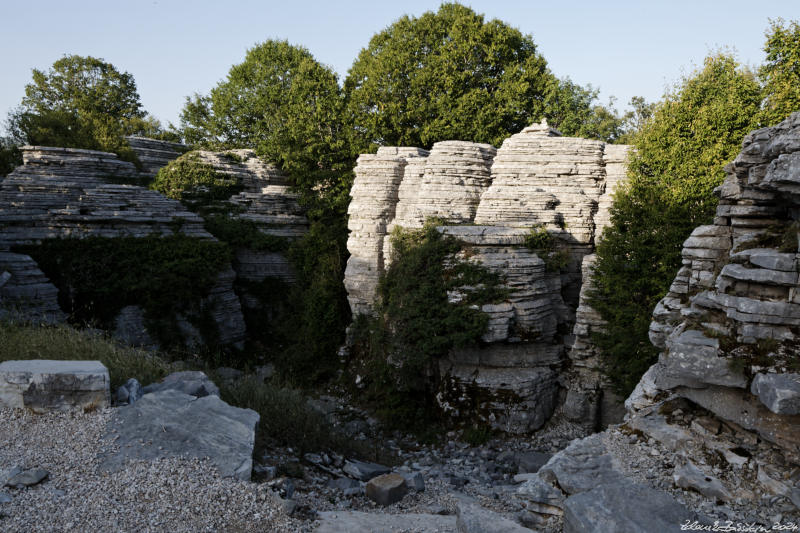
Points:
(453, 75)
(10, 156)
(780, 74)
(572, 109)
(81, 102)
(678, 160)
(634, 120)
(285, 105)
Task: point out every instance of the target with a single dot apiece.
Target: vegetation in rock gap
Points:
(99, 276)
(419, 320)
(197, 183)
(10, 156)
(239, 233)
(539, 240)
(453, 75)
(679, 159)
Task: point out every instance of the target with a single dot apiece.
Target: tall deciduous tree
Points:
(781, 71)
(453, 75)
(81, 102)
(284, 104)
(678, 160)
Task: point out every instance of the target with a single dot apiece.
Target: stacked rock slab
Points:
(521, 351)
(456, 175)
(542, 179)
(590, 401)
(374, 199)
(735, 299)
(64, 193)
(536, 179)
(154, 153)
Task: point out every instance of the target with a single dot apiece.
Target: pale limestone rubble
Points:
(730, 322)
(489, 200)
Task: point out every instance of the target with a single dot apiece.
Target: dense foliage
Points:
(10, 156)
(285, 105)
(190, 179)
(780, 73)
(167, 275)
(453, 75)
(82, 102)
(678, 160)
(417, 323)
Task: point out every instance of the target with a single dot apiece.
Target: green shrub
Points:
(99, 276)
(678, 161)
(542, 242)
(197, 183)
(416, 324)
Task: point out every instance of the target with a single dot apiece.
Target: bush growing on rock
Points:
(189, 179)
(418, 322)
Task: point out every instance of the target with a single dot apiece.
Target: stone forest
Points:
(518, 311)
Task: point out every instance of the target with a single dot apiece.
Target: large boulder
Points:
(171, 423)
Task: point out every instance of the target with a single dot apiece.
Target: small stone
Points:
(343, 483)
(364, 471)
(27, 478)
(5, 498)
(130, 392)
(414, 481)
(691, 477)
(386, 489)
(531, 462)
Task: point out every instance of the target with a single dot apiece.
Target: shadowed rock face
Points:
(490, 200)
(733, 313)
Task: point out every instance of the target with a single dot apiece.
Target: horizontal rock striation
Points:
(490, 200)
(733, 309)
(25, 290)
(154, 153)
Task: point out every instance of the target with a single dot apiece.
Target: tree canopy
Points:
(80, 102)
(678, 160)
(780, 73)
(453, 75)
(284, 104)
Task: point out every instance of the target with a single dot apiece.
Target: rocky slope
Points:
(491, 200)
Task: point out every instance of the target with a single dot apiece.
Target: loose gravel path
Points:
(175, 495)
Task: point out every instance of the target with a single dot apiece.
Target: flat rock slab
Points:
(170, 423)
(364, 471)
(192, 382)
(472, 518)
(779, 392)
(358, 522)
(581, 466)
(44, 385)
(624, 507)
(27, 478)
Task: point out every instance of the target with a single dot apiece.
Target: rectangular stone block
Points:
(44, 385)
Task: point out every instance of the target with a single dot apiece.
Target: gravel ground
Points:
(174, 495)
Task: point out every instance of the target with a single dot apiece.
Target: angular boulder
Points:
(45, 385)
(387, 489)
(170, 423)
(779, 392)
(191, 382)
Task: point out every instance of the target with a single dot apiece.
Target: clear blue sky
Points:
(175, 48)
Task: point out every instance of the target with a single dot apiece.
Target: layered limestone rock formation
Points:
(729, 325)
(375, 196)
(153, 153)
(62, 193)
(537, 179)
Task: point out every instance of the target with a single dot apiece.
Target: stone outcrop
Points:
(68, 193)
(730, 322)
(490, 200)
(170, 423)
(42, 385)
(154, 153)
